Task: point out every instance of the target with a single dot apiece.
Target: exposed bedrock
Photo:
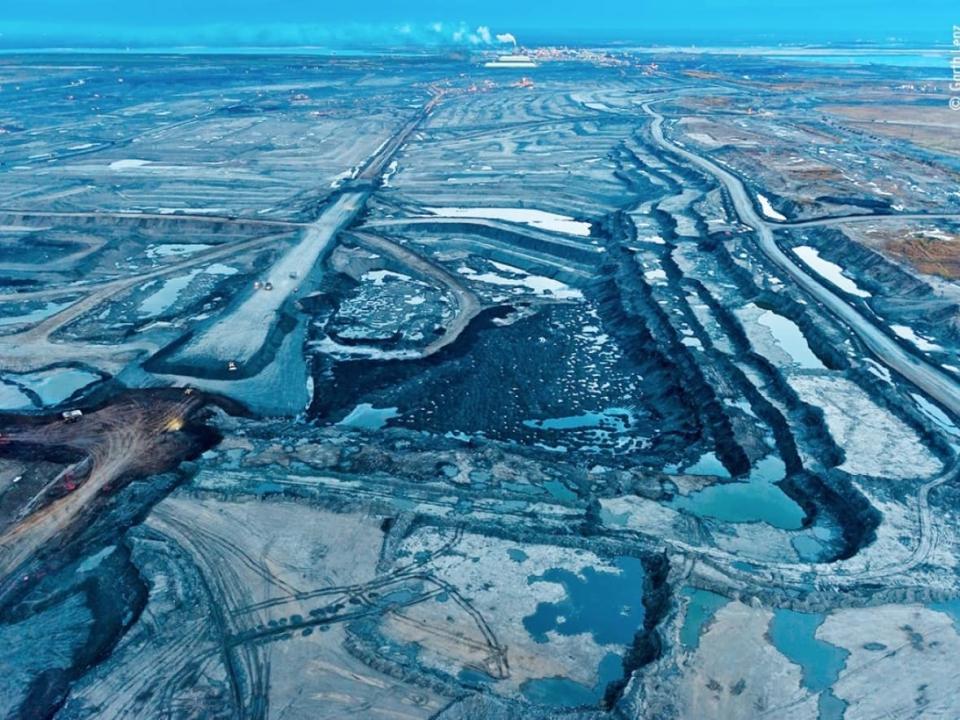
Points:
(833, 494)
(626, 299)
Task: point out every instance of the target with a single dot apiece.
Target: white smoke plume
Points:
(429, 34)
(482, 36)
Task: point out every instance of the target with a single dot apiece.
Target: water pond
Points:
(757, 499)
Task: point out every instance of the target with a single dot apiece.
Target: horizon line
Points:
(849, 46)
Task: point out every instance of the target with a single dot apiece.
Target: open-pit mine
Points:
(608, 385)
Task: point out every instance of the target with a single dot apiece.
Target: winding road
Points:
(468, 304)
(932, 380)
(875, 217)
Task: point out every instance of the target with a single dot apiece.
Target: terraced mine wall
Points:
(647, 645)
(835, 495)
(663, 373)
(584, 255)
(627, 300)
(832, 495)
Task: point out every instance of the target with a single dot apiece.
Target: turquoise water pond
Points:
(757, 499)
(604, 604)
(703, 605)
(794, 634)
(563, 692)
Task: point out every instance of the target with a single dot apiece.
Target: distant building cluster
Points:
(595, 57)
(511, 61)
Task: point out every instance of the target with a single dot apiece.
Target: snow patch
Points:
(768, 209)
(829, 271)
(907, 333)
(128, 164)
(540, 219)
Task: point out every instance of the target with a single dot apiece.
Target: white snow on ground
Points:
(390, 172)
(128, 164)
(348, 352)
(539, 284)
(534, 218)
(377, 277)
(881, 371)
(875, 442)
(768, 209)
(220, 269)
(512, 64)
(906, 332)
(21, 229)
(548, 286)
(190, 210)
(338, 179)
(590, 102)
(935, 233)
(828, 270)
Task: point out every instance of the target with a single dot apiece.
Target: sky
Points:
(391, 23)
